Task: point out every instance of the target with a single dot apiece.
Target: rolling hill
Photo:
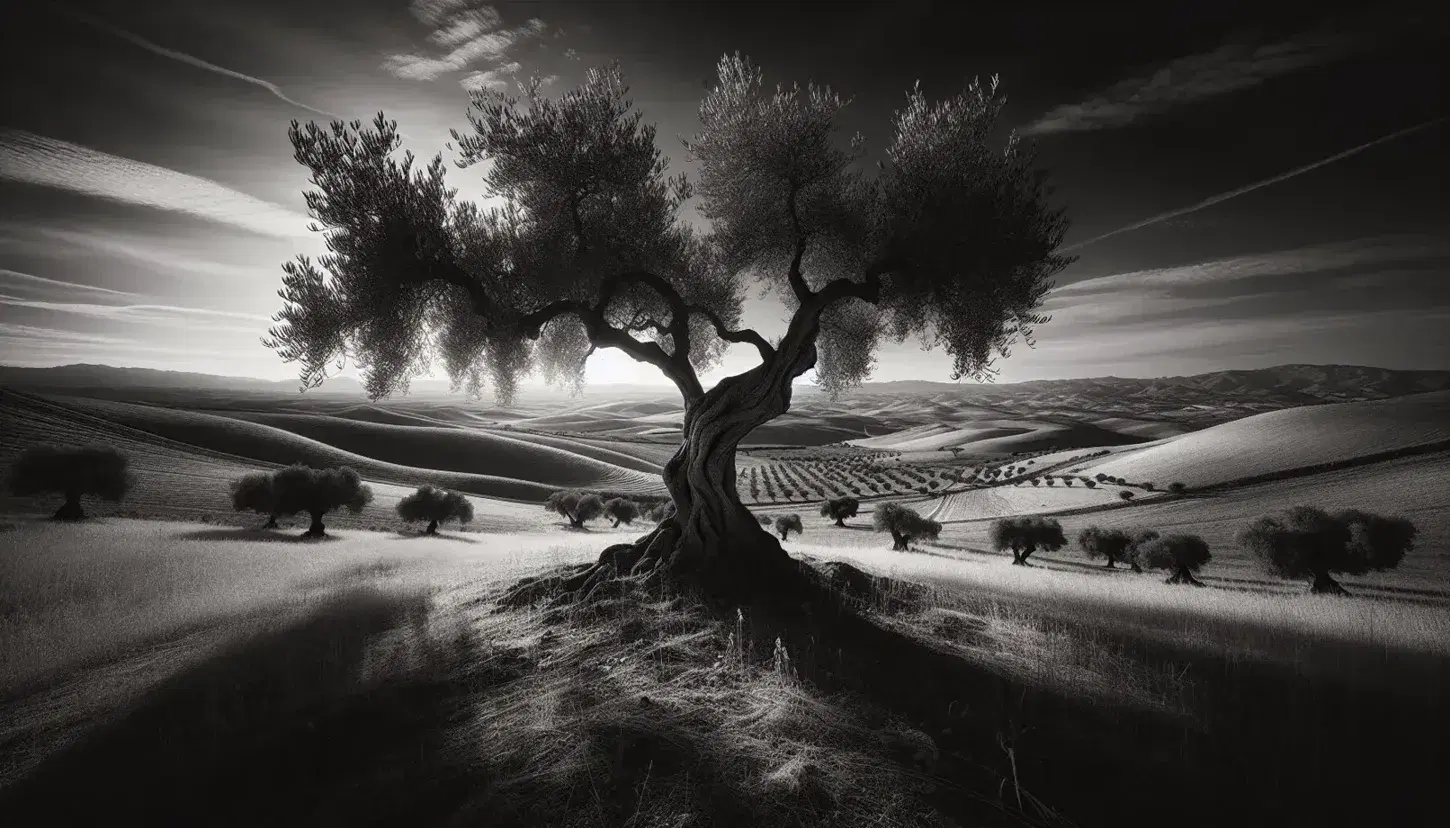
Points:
(1280, 441)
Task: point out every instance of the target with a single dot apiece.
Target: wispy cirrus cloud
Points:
(1375, 251)
(183, 57)
(148, 314)
(1229, 68)
(49, 162)
(30, 280)
(470, 32)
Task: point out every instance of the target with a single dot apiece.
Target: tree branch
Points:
(744, 337)
(794, 275)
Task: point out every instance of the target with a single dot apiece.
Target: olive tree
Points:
(319, 491)
(785, 524)
(840, 508)
(1025, 535)
(71, 472)
(575, 506)
(905, 525)
(1112, 544)
(621, 510)
(1305, 542)
(254, 492)
(1183, 554)
(950, 238)
(436, 506)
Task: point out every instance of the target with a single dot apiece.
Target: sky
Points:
(1247, 188)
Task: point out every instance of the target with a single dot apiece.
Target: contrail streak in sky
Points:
(188, 59)
(1221, 197)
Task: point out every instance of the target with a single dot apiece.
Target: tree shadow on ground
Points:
(262, 535)
(285, 728)
(1292, 751)
(410, 534)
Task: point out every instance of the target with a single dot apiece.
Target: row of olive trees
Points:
(301, 489)
(580, 507)
(1300, 543)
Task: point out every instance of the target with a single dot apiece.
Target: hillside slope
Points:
(1279, 441)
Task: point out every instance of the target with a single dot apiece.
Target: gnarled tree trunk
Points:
(712, 545)
(316, 530)
(1183, 576)
(1325, 585)
(1109, 564)
(432, 527)
(271, 522)
(71, 509)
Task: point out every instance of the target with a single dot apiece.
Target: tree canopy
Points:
(1183, 554)
(951, 239)
(99, 471)
(436, 506)
(1306, 542)
(1025, 535)
(300, 488)
(904, 523)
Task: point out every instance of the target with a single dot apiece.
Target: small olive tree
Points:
(97, 471)
(1025, 535)
(1182, 554)
(1112, 544)
(255, 492)
(315, 492)
(621, 510)
(436, 506)
(905, 525)
(840, 508)
(575, 506)
(1305, 542)
(785, 524)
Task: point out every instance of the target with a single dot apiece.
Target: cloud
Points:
(1222, 197)
(470, 32)
(36, 159)
(190, 60)
(8, 275)
(164, 254)
(1229, 68)
(1358, 253)
(35, 335)
(498, 78)
(166, 315)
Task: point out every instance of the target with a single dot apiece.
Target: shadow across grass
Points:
(254, 535)
(287, 728)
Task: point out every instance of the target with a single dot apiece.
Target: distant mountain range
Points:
(1280, 386)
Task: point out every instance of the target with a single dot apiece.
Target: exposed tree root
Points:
(1325, 585)
(1183, 576)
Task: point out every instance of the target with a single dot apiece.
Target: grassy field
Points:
(262, 662)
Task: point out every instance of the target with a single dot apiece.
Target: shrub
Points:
(1148, 485)
(1091, 484)
(1036, 481)
(1100, 477)
(1183, 554)
(254, 492)
(1125, 495)
(765, 520)
(1112, 544)
(1177, 488)
(99, 471)
(660, 512)
(436, 506)
(1051, 482)
(621, 510)
(1025, 535)
(575, 506)
(1305, 542)
(840, 508)
(785, 524)
(905, 525)
(1067, 481)
(319, 491)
